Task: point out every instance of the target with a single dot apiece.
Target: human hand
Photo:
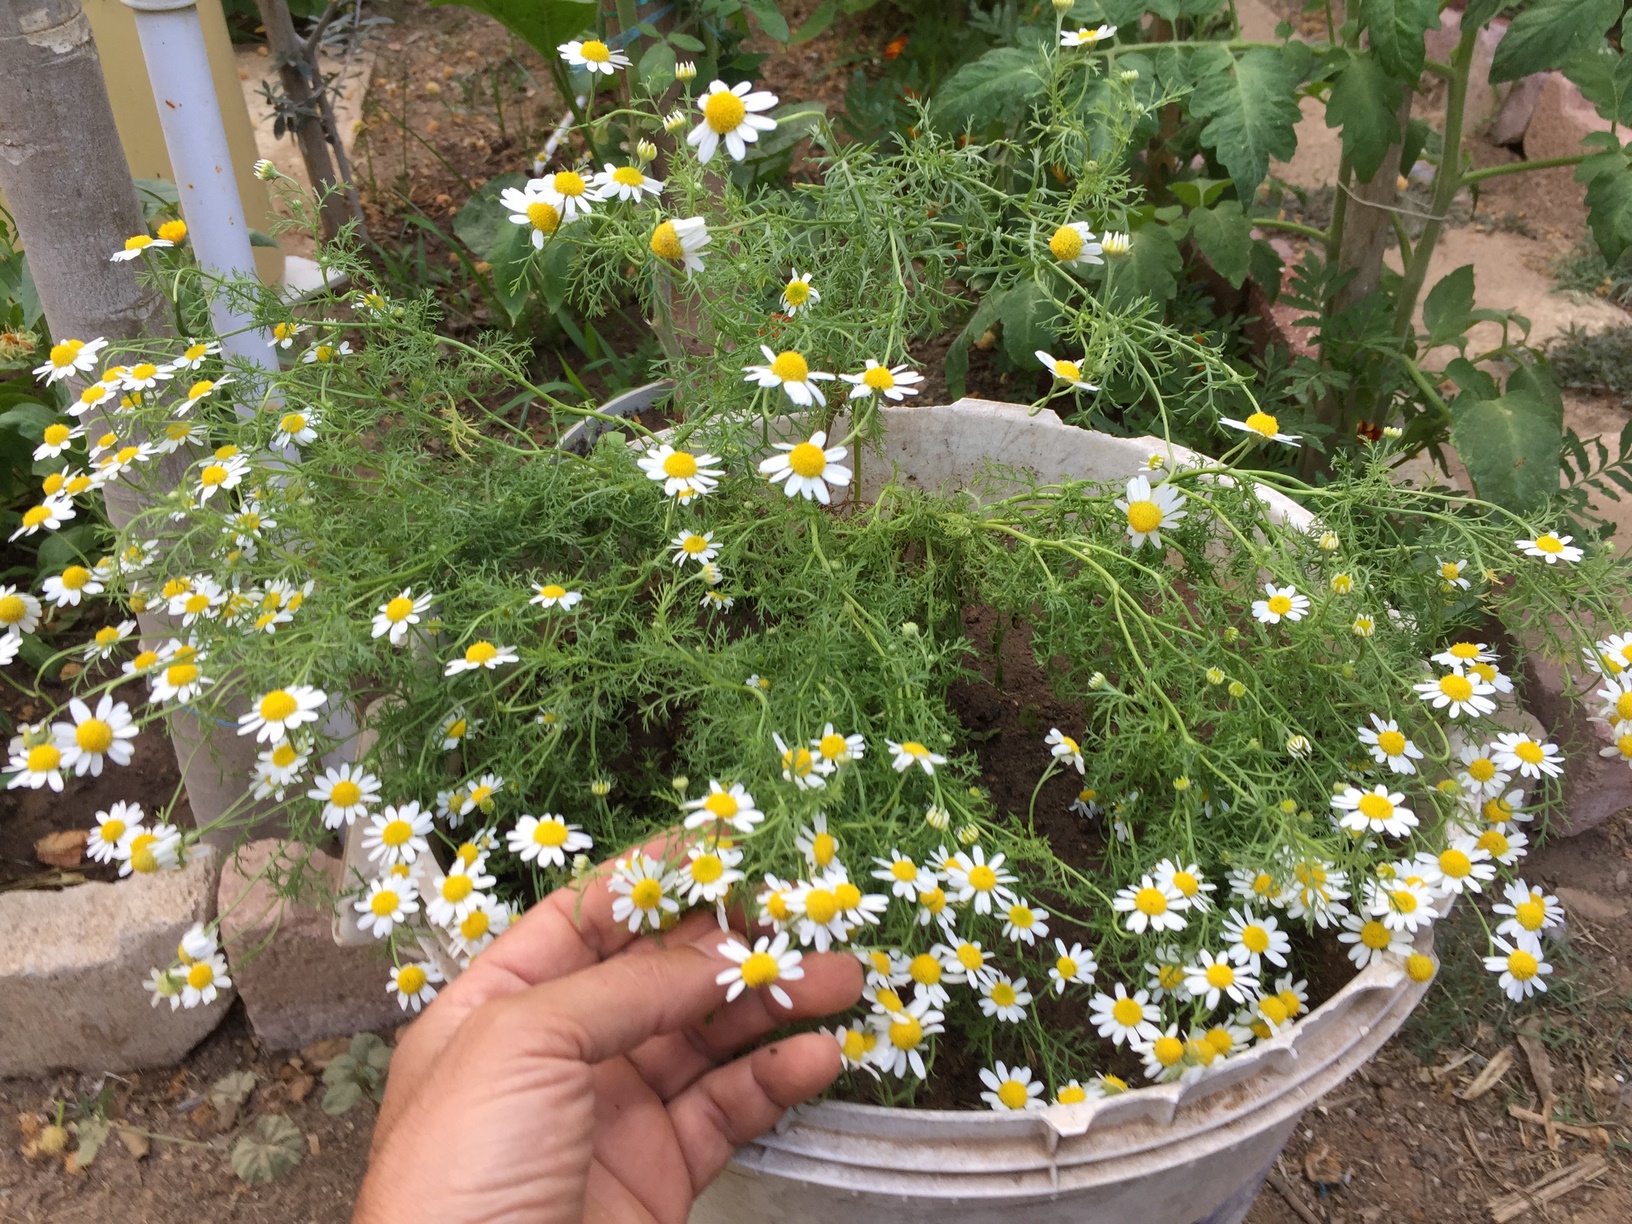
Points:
(577, 1072)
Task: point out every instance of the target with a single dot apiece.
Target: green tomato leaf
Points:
(657, 67)
(1251, 110)
(1604, 76)
(820, 19)
(1609, 199)
(1550, 33)
(1029, 319)
(268, 1151)
(542, 24)
(769, 17)
(1447, 311)
(1198, 192)
(1150, 269)
(478, 223)
(1511, 444)
(990, 90)
(1224, 235)
(1365, 102)
(1396, 28)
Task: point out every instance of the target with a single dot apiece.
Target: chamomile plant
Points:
(711, 664)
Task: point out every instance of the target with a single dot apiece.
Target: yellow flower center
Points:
(1549, 543)
(1013, 1094)
(796, 292)
(1170, 977)
(111, 830)
(284, 755)
(904, 869)
(345, 793)
(680, 465)
(63, 354)
(570, 183)
(628, 176)
(475, 924)
(1127, 1012)
(1220, 1040)
(595, 51)
(550, 591)
(1150, 901)
(456, 888)
(806, 459)
(905, 1032)
(1494, 842)
(1391, 742)
(278, 705)
(721, 804)
(1022, 916)
(706, 868)
(971, 957)
(200, 975)
(34, 516)
(410, 979)
(934, 900)
(1450, 571)
(879, 378)
(1522, 964)
(12, 609)
(925, 969)
(760, 969)
(823, 848)
(1167, 1050)
(1272, 1009)
(847, 895)
(94, 736)
(1455, 863)
(1186, 883)
(1003, 994)
(982, 878)
(396, 832)
(821, 906)
(646, 894)
(1255, 938)
(383, 903)
(1403, 900)
(138, 242)
(790, 366)
(1066, 244)
(56, 434)
(724, 111)
(42, 758)
(1375, 807)
(1530, 914)
(1528, 751)
(1066, 968)
(544, 217)
(1482, 769)
(1220, 975)
(1375, 936)
(481, 652)
(1144, 516)
(180, 675)
(889, 1000)
(1070, 371)
(1263, 424)
(75, 577)
(665, 241)
(1072, 1094)
(1280, 604)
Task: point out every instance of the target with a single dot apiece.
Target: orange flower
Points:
(894, 47)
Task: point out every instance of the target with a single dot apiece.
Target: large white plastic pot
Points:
(1184, 1153)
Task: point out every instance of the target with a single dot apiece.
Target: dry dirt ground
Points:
(1427, 1132)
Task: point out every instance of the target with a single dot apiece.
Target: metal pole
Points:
(179, 67)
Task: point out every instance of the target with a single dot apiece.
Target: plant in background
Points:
(725, 652)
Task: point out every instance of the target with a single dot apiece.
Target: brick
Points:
(297, 984)
(72, 964)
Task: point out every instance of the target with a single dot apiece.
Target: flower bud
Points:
(265, 171)
(685, 70)
(645, 150)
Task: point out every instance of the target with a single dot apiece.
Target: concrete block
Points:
(1595, 787)
(72, 967)
(1561, 119)
(297, 984)
(1513, 119)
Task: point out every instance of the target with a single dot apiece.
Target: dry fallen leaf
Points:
(1499, 1065)
(136, 1143)
(299, 1087)
(1322, 1165)
(65, 848)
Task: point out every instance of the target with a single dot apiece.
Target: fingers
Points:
(671, 1062)
(745, 1098)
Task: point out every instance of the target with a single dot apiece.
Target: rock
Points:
(1561, 119)
(1579, 903)
(72, 964)
(64, 849)
(297, 985)
(1514, 116)
(1595, 787)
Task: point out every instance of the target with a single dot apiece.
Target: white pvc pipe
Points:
(190, 114)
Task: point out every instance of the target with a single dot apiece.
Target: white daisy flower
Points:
(1188, 882)
(67, 588)
(529, 207)
(296, 429)
(218, 475)
(904, 1035)
(1520, 965)
(1527, 757)
(1166, 975)
(1085, 37)
(47, 516)
(971, 878)
(1073, 965)
(708, 873)
(1065, 371)
(1389, 746)
(799, 766)
(1011, 1089)
(567, 191)
(546, 840)
(102, 846)
(1529, 912)
(1372, 940)
(905, 878)
(1149, 511)
(819, 847)
(1552, 549)
(481, 655)
(1506, 846)
(626, 183)
(1378, 810)
(1252, 940)
(681, 240)
(593, 56)
(1450, 576)
(1263, 425)
(1459, 693)
(1463, 866)
(798, 294)
(35, 762)
(763, 967)
(833, 749)
(413, 984)
(808, 468)
(909, 753)
(346, 792)
(1480, 775)
(1075, 244)
(551, 595)
(1064, 749)
(1124, 1018)
(642, 892)
(200, 391)
(819, 916)
(731, 805)
(278, 768)
(57, 438)
(487, 919)
(397, 833)
(19, 611)
(280, 711)
(1150, 906)
(389, 903)
(138, 244)
(1161, 1054)
(1025, 923)
(98, 395)
(70, 357)
(732, 116)
(1280, 603)
(460, 891)
(1210, 977)
(95, 737)
(195, 355)
(204, 979)
(790, 371)
(684, 475)
(322, 354)
(147, 850)
(283, 334)
(397, 615)
(1117, 243)
(892, 382)
(689, 546)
